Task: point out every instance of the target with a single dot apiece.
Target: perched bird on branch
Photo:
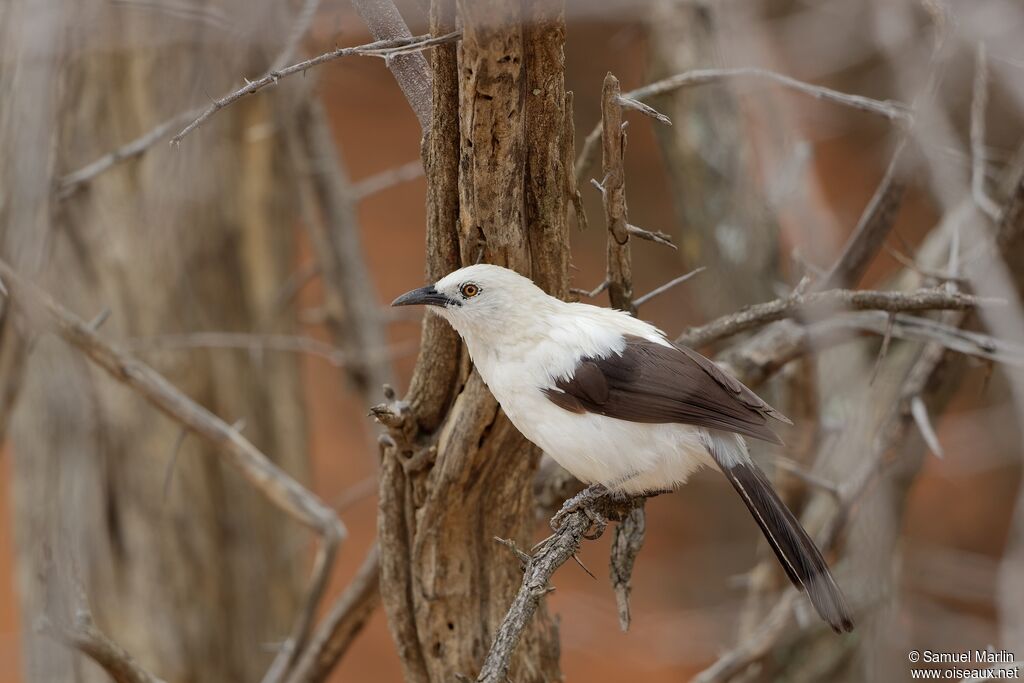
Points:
(621, 407)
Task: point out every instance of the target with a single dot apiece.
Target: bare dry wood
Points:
(411, 70)
(448, 443)
(342, 623)
(823, 303)
(386, 49)
(85, 637)
(350, 307)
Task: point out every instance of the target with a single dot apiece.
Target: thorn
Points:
(583, 566)
(640, 301)
(655, 236)
(645, 109)
(920, 413)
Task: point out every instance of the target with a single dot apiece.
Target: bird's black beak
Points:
(424, 295)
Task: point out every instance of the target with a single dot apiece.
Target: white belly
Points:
(622, 455)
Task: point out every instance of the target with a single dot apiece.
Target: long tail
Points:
(796, 551)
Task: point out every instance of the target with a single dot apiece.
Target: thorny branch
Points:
(549, 555)
(894, 111)
(798, 304)
(386, 49)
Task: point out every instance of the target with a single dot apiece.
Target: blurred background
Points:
(758, 183)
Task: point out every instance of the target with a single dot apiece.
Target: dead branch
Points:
(894, 111)
(341, 625)
(874, 224)
(979, 163)
(85, 637)
(385, 180)
(657, 291)
(613, 194)
(411, 69)
(798, 304)
(552, 554)
(71, 182)
(350, 305)
(386, 49)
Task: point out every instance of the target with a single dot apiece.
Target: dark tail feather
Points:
(796, 551)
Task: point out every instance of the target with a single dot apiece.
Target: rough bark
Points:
(183, 564)
(455, 472)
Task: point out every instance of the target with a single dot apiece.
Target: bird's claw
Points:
(584, 501)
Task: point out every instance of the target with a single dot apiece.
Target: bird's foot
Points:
(585, 501)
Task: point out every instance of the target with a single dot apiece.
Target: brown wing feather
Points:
(653, 383)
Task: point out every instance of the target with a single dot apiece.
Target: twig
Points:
(381, 48)
(645, 109)
(342, 624)
(387, 179)
(240, 340)
(874, 224)
(921, 270)
(85, 637)
(590, 293)
(657, 291)
(894, 111)
(979, 163)
(797, 304)
(651, 236)
(552, 554)
(71, 182)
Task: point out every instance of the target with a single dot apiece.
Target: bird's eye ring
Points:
(469, 290)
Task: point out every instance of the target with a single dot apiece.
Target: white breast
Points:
(624, 455)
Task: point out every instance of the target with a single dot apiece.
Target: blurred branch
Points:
(342, 624)
(798, 304)
(384, 180)
(303, 20)
(71, 182)
(657, 291)
(273, 482)
(874, 224)
(256, 343)
(411, 70)
(979, 163)
(85, 637)
(387, 49)
(894, 111)
(350, 302)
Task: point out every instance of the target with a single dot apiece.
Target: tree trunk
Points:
(455, 472)
(181, 562)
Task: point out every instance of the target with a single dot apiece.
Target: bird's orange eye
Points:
(469, 290)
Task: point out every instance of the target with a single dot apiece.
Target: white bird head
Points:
(480, 300)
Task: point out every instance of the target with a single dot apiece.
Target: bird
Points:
(612, 400)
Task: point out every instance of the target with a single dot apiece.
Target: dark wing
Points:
(653, 383)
